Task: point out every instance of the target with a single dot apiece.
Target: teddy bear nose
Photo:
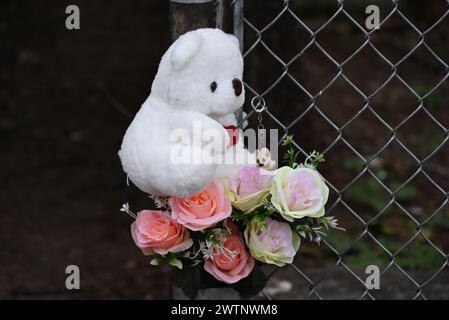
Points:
(237, 85)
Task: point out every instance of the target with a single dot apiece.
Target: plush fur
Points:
(197, 81)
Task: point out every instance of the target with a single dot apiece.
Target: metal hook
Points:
(258, 104)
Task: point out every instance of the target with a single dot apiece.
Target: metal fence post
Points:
(186, 15)
(238, 21)
(238, 29)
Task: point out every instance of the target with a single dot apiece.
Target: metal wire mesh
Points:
(243, 20)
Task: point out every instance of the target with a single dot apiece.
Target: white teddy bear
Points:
(198, 84)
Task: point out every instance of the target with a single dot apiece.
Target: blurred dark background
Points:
(67, 97)
(62, 184)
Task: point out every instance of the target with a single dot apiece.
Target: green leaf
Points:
(156, 261)
(189, 280)
(251, 285)
(261, 222)
(316, 158)
(175, 262)
(240, 217)
(288, 140)
(208, 281)
(290, 157)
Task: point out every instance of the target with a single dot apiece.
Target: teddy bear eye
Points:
(213, 86)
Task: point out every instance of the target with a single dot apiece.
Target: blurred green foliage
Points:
(367, 191)
(418, 255)
(433, 100)
(392, 229)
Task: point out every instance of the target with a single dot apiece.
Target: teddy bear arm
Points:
(194, 123)
(228, 120)
(232, 120)
(184, 179)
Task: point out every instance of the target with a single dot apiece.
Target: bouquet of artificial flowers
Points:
(221, 236)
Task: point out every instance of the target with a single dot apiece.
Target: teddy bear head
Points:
(202, 72)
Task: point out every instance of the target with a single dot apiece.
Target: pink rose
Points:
(203, 210)
(250, 180)
(155, 232)
(232, 264)
(302, 192)
(248, 188)
(298, 193)
(276, 244)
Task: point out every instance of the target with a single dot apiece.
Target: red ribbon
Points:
(233, 134)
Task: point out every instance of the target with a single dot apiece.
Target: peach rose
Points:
(203, 210)
(155, 232)
(231, 264)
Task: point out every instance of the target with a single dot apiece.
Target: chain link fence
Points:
(373, 102)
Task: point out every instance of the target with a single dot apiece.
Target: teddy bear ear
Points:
(234, 40)
(185, 49)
